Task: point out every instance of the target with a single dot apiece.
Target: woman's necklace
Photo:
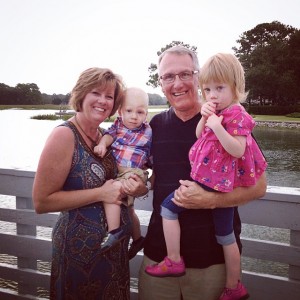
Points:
(93, 141)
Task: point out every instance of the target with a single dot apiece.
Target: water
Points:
(282, 150)
(22, 140)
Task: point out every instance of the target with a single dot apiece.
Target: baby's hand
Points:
(207, 109)
(214, 121)
(100, 150)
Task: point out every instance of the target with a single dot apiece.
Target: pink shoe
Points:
(239, 293)
(168, 268)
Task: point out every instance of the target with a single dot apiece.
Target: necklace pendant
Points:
(94, 142)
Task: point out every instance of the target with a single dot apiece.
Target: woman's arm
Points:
(53, 169)
(191, 195)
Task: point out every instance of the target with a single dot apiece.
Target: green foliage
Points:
(65, 117)
(25, 94)
(47, 117)
(155, 99)
(270, 56)
(153, 77)
(28, 94)
(29, 107)
(294, 115)
(56, 101)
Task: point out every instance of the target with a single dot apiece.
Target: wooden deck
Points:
(25, 248)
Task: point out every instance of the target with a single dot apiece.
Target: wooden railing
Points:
(25, 253)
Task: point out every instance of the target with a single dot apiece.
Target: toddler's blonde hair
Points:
(224, 68)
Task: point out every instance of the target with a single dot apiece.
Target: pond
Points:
(22, 140)
(281, 148)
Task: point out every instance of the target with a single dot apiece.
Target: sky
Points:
(50, 42)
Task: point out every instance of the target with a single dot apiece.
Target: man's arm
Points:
(191, 195)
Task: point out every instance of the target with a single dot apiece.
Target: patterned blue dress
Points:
(80, 269)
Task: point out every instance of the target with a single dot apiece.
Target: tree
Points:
(153, 77)
(269, 53)
(29, 93)
(4, 93)
(155, 99)
(56, 100)
(66, 98)
(293, 60)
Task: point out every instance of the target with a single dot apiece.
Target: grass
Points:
(267, 118)
(29, 107)
(51, 117)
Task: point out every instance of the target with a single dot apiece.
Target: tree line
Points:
(269, 53)
(29, 94)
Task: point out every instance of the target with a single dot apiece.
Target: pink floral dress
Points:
(216, 168)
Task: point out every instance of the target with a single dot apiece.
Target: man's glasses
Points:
(184, 76)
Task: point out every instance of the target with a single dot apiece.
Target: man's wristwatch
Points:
(148, 186)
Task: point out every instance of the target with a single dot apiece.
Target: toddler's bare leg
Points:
(136, 226)
(112, 212)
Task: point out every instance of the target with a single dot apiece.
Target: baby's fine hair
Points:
(224, 68)
(137, 93)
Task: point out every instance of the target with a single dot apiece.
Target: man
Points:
(173, 135)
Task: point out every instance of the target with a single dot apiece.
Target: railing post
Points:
(23, 262)
(294, 271)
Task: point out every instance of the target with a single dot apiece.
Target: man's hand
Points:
(191, 195)
(134, 186)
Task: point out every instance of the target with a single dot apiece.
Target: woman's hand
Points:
(112, 192)
(134, 186)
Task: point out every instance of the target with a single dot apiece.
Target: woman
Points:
(71, 179)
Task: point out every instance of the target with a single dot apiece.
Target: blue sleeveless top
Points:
(80, 269)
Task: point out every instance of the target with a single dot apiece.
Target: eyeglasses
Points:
(184, 76)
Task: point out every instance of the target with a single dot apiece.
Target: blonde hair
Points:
(224, 68)
(97, 78)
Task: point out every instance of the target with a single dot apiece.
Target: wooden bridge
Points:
(25, 252)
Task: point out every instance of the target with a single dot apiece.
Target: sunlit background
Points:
(49, 42)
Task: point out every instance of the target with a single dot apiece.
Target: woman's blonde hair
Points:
(97, 78)
(224, 68)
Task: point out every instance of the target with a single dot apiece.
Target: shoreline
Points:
(277, 124)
